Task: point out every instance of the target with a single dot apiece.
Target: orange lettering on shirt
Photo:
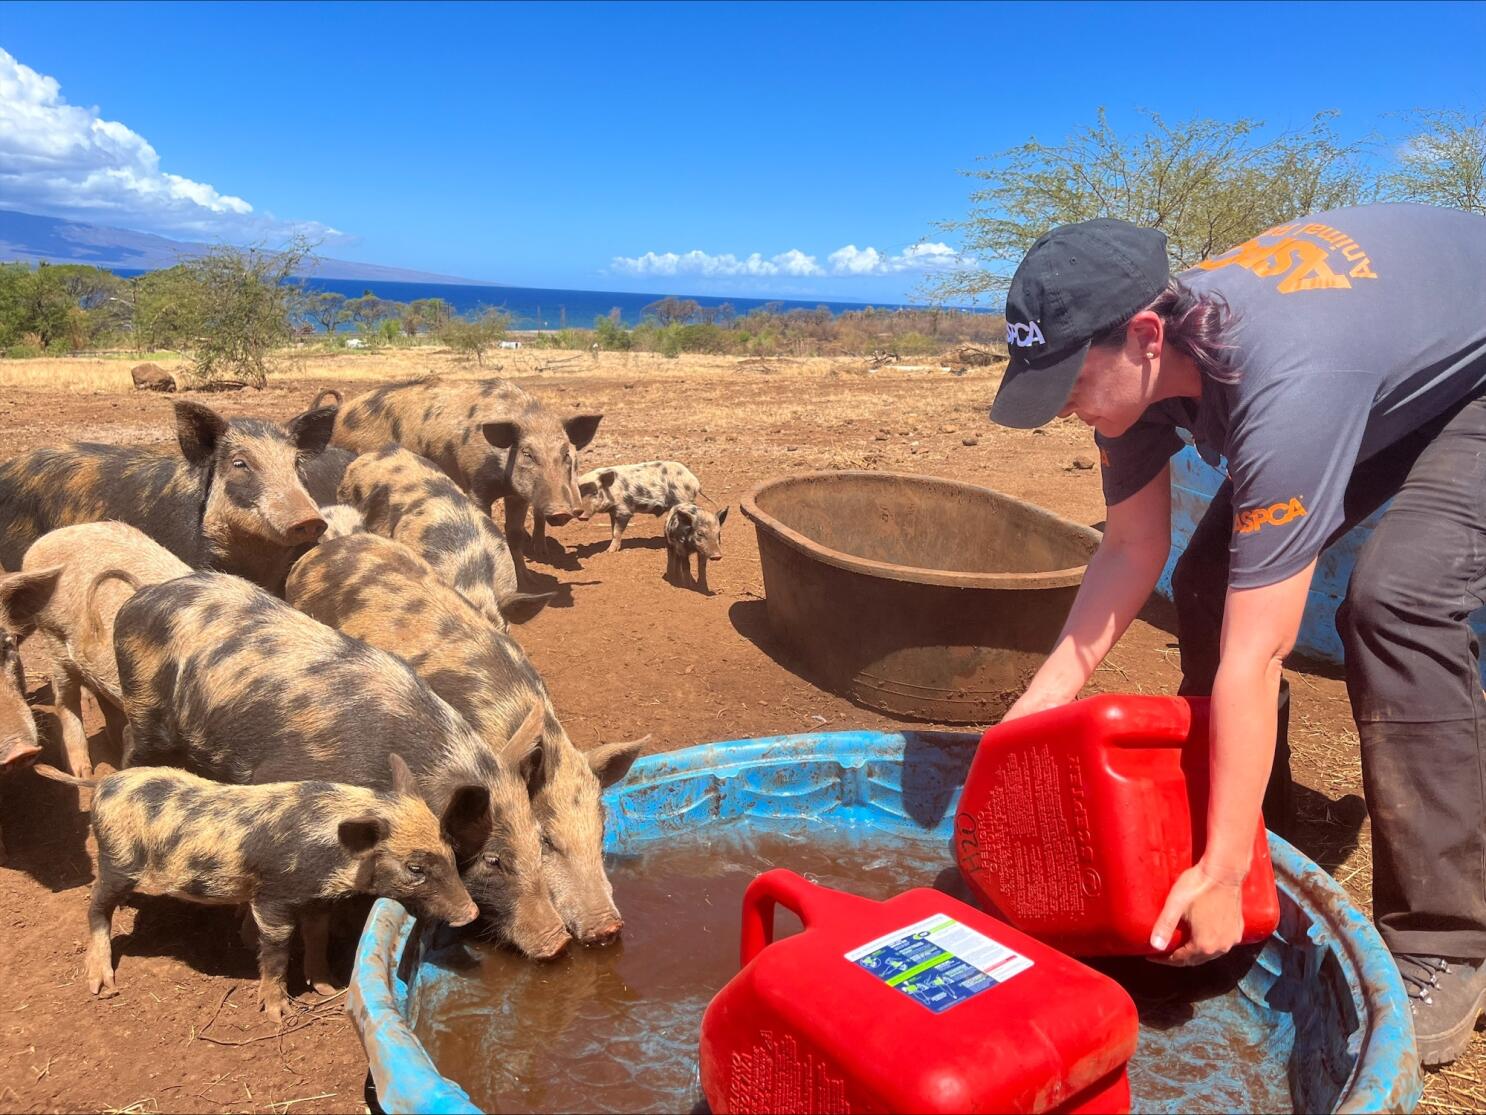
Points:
(1299, 264)
(1255, 519)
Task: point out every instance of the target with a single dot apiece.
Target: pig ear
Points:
(502, 435)
(607, 477)
(581, 428)
(683, 515)
(198, 429)
(525, 739)
(360, 835)
(403, 781)
(722, 516)
(310, 432)
(588, 488)
(466, 818)
(24, 595)
(612, 761)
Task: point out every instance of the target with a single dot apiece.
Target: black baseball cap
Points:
(1076, 281)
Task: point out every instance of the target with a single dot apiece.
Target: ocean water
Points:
(544, 308)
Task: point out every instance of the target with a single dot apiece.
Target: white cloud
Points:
(852, 260)
(65, 160)
(847, 261)
(792, 262)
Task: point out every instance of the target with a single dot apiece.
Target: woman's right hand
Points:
(1029, 702)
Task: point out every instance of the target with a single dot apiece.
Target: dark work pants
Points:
(1412, 675)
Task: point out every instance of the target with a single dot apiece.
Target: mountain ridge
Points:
(33, 238)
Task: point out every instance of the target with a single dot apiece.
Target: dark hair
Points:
(1196, 325)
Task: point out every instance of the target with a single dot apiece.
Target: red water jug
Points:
(919, 1003)
(1075, 822)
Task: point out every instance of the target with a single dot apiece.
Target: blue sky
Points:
(547, 145)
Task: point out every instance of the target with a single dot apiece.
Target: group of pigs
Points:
(299, 637)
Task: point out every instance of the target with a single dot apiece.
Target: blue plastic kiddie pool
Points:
(1318, 1014)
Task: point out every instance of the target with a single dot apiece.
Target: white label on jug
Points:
(938, 962)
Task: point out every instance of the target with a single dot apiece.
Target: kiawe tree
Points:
(1207, 184)
(1443, 162)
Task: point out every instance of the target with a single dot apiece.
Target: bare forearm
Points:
(1115, 587)
(1241, 753)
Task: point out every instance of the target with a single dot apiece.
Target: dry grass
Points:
(110, 371)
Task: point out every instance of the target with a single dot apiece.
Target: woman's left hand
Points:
(1213, 911)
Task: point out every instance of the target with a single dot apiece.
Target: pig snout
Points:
(307, 529)
(469, 914)
(603, 932)
(558, 518)
(538, 931)
(18, 752)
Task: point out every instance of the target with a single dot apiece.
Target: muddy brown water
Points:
(615, 1029)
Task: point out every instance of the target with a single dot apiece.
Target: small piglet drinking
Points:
(692, 530)
(221, 677)
(652, 488)
(282, 847)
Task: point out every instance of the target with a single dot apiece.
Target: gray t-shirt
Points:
(1350, 330)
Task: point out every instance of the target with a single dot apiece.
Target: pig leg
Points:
(314, 930)
(702, 574)
(275, 930)
(516, 536)
(247, 930)
(67, 692)
(111, 887)
(617, 525)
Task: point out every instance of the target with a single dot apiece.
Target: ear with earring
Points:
(1151, 355)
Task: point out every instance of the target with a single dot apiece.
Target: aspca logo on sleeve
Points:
(1254, 519)
(1024, 334)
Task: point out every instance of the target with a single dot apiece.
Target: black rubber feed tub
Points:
(921, 597)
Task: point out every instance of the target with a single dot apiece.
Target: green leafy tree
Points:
(475, 333)
(1207, 184)
(669, 311)
(326, 308)
(168, 310)
(1443, 162)
(244, 300)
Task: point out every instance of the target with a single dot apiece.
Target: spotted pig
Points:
(382, 593)
(19, 741)
(404, 497)
(624, 490)
(341, 519)
(493, 439)
(692, 530)
(223, 678)
(282, 847)
(232, 499)
(82, 575)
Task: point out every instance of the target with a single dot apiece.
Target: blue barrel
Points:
(1194, 482)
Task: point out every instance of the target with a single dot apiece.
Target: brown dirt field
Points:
(624, 654)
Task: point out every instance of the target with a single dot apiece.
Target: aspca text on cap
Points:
(1024, 334)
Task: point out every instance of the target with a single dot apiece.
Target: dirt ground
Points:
(624, 654)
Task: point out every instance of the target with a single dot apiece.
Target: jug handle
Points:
(782, 887)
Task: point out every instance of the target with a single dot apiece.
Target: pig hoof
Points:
(273, 1006)
(101, 980)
